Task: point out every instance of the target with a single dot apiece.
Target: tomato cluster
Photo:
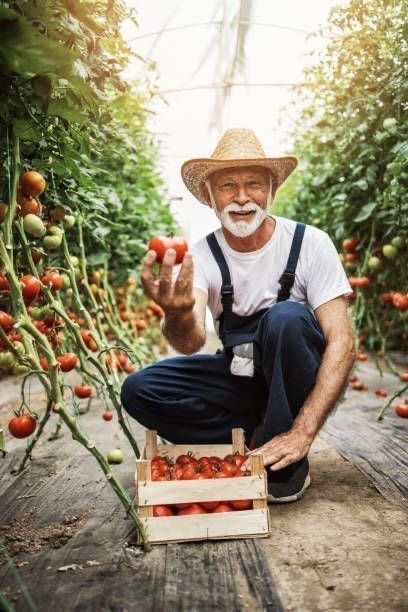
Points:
(187, 467)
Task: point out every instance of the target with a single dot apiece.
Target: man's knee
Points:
(288, 317)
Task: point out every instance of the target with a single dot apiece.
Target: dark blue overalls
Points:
(196, 399)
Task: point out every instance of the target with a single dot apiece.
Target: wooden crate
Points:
(224, 525)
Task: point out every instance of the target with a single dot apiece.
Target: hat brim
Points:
(195, 172)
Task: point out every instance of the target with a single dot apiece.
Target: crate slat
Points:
(179, 491)
(247, 523)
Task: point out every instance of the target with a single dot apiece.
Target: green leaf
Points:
(365, 212)
(26, 130)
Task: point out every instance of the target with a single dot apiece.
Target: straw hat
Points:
(238, 147)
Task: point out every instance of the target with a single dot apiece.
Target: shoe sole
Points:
(290, 498)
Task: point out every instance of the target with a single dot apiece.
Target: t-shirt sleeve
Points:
(200, 277)
(327, 278)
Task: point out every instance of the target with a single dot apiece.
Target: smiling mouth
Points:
(242, 214)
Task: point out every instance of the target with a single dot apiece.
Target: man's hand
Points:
(283, 450)
(174, 297)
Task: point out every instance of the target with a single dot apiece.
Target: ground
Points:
(343, 547)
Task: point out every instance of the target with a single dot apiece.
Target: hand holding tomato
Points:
(161, 244)
(174, 297)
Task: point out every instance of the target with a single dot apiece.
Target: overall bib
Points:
(197, 399)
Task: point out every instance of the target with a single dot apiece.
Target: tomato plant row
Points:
(75, 216)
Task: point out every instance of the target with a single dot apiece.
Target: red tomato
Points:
(158, 476)
(53, 280)
(381, 393)
(83, 391)
(192, 509)
(107, 415)
(222, 474)
(189, 472)
(162, 511)
(404, 377)
(27, 205)
(67, 361)
(44, 363)
(362, 281)
(30, 287)
(242, 504)
(402, 409)
(237, 459)
(223, 507)
(227, 467)
(6, 320)
(351, 257)
(400, 301)
(22, 426)
(32, 183)
(4, 284)
(160, 244)
(210, 505)
(185, 460)
(349, 244)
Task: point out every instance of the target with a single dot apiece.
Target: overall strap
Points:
(288, 277)
(227, 290)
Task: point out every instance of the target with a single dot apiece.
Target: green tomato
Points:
(66, 280)
(115, 456)
(374, 263)
(33, 225)
(74, 261)
(68, 221)
(20, 369)
(7, 360)
(52, 242)
(48, 312)
(37, 313)
(55, 230)
(398, 242)
(390, 251)
(341, 257)
(389, 123)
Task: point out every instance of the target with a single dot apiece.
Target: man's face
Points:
(240, 198)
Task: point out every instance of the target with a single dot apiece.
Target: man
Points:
(276, 290)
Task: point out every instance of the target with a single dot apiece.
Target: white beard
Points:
(244, 228)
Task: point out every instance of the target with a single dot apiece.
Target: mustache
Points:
(248, 207)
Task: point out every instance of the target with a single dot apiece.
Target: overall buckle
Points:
(227, 294)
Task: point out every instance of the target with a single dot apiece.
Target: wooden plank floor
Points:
(378, 449)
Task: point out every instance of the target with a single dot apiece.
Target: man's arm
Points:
(337, 361)
(186, 331)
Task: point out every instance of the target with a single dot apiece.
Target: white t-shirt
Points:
(320, 276)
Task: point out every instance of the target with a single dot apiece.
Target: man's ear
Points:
(206, 194)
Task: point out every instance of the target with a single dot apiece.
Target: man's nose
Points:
(242, 197)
